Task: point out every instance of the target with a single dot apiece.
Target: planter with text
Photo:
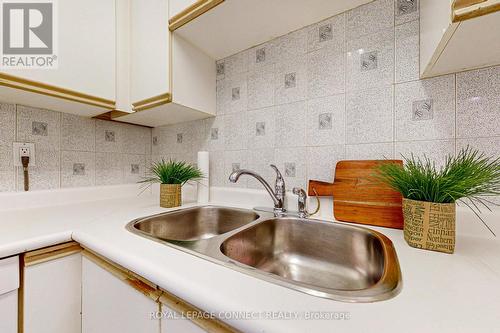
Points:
(170, 195)
(429, 225)
(430, 194)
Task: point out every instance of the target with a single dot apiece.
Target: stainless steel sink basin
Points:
(328, 257)
(325, 259)
(194, 223)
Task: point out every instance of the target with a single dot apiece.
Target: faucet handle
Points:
(302, 201)
(303, 213)
(278, 173)
(300, 192)
(280, 182)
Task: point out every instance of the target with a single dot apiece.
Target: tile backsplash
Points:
(344, 88)
(71, 151)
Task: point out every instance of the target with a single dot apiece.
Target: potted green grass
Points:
(172, 175)
(429, 194)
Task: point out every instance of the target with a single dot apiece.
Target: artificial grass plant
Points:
(470, 177)
(173, 172)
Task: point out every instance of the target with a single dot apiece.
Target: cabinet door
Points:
(150, 39)
(112, 306)
(8, 312)
(52, 295)
(173, 323)
(86, 49)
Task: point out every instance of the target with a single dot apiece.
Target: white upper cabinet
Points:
(84, 80)
(150, 56)
(171, 80)
(222, 28)
(458, 35)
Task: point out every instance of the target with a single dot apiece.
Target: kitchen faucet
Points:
(278, 195)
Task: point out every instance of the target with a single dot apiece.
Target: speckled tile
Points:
(290, 81)
(235, 136)
(328, 33)
(259, 161)
(407, 52)
(109, 137)
(232, 66)
(478, 100)
(108, 169)
(137, 139)
(406, 10)
(261, 56)
(488, 146)
(436, 150)
(215, 133)
(159, 144)
(220, 69)
(8, 124)
(261, 128)
(292, 164)
(370, 61)
(134, 168)
(216, 167)
(326, 121)
(290, 46)
(369, 116)
(45, 175)
(260, 86)
(43, 127)
(235, 160)
(370, 151)
(290, 124)
(200, 138)
(321, 161)
(179, 138)
(77, 133)
(325, 72)
(77, 169)
(370, 18)
(7, 169)
(147, 166)
(435, 122)
(7, 180)
(232, 95)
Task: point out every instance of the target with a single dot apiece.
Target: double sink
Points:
(320, 258)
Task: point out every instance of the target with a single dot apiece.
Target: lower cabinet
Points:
(9, 284)
(172, 322)
(51, 290)
(111, 305)
(65, 289)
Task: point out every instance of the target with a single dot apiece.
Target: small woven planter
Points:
(429, 225)
(170, 195)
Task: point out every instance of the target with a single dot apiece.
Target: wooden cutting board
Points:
(358, 197)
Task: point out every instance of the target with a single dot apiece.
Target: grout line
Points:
(345, 91)
(60, 151)
(16, 169)
(455, 110)
(393, 119)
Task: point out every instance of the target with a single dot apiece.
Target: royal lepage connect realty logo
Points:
(29, 32)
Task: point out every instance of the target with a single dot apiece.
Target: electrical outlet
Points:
(23, 149)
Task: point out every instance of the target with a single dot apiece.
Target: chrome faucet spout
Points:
(277, 196)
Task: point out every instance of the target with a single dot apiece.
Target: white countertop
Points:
(441, 293)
